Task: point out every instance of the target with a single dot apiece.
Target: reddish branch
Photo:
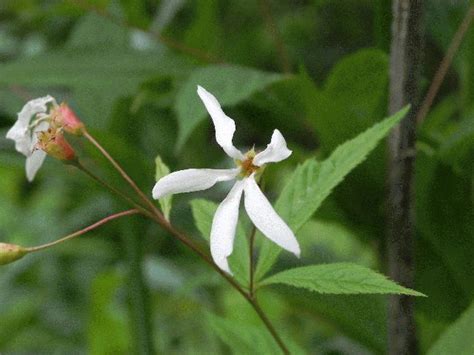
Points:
(445, 64)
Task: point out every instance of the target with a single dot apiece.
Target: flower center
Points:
(246, 166)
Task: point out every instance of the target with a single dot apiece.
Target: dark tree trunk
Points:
(405, 60)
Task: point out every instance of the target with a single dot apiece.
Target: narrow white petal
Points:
(224, 225)
(20, 132)
(33, 163)
(223, 124)
(266, 219)
(190, 180)
(276, 151)
(22, 137)
(33, 107)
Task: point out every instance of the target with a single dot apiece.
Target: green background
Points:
(130, 288)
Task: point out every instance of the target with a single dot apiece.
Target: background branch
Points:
(445, 64)
(169, 42)
(272, 27)
(405, 61)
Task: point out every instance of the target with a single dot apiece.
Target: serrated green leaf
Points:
(244, 338)
(203, 213)
(457, 339)
(161, 169)
(313, 181)
(339, 278)
(230, 84)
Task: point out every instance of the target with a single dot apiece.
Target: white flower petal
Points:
(224, 225)
(190, 180)
(276, 151)
(22, 138)
(223, 124)
(266, 219)
(20, 131)
(33, 163)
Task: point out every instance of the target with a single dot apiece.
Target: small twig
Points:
(21, 92)
(272, 27)
(445, 64)
(119, 193)
(84, 230)
(195, 52)
(122, 172)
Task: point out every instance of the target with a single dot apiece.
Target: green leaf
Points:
(97, 77)
(93, 30)
(243, 338)
(161, 169)
(457, 339)
(352, 99)
(313, 181)
(330, 241)
(444, 213)
(362, 319)
(339, 278)
(203, 213)
(230, 84)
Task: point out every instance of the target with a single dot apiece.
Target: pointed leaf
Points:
(457, 339)
(313, 181)
(160, 171)
(339, 278)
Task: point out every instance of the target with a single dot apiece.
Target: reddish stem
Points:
(445, 64)
(85, 230)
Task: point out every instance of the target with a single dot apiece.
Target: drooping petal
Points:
(20, 132)
(224, 225)
(265, 218)
(276, 151)
(190, 180)
(33, 163)
(223, 124)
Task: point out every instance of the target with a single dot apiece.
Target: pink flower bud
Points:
(53, 143)
(65, 118)
(10, 253)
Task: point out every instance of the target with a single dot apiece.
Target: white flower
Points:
(31, 119)
(257, 206)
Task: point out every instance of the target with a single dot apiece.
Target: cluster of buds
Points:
(39, 131)
(53, 143)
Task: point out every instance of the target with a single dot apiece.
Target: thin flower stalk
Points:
(84, 230)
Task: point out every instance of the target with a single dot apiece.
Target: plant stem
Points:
(405, 64)
(445, 64)
(119, 193)
(190, 244)
(122, 172)
(84, 230)
(158, 217)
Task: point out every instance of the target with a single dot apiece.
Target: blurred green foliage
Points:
(137, 94)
